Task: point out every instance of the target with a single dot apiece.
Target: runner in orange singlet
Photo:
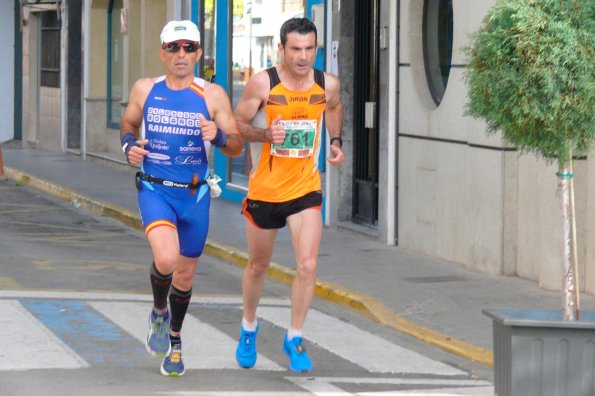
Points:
(284, 186)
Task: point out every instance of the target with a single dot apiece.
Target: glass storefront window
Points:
(208, 41)
(437, 42)
(115, 68)
(256, 25)
(209, 55)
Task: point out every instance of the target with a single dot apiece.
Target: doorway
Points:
(365, 114)
(74, 75)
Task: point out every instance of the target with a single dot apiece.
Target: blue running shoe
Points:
(172, 364)
(298, 357)
(246, 350)
(158, 338)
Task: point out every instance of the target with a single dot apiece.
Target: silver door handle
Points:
(370, 115)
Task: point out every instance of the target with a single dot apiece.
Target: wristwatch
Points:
(338, 139)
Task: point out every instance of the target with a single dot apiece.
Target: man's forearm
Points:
(334, 121)
(234, 145)
(126, 127)
(251, 133)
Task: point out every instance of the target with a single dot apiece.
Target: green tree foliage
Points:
(531, 75)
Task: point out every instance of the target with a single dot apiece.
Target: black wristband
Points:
(128, 141)
(338, 139)
(220, 139)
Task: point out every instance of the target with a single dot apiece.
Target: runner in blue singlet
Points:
(181, 116)
(177, 152)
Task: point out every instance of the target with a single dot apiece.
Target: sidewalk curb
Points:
(358, 302)
(119, 213)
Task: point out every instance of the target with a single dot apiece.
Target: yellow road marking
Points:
(365, 305)
(8, 283)
(358, 302)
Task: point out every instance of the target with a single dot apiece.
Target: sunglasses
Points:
(175, 47)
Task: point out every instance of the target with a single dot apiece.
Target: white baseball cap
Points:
(180, 30)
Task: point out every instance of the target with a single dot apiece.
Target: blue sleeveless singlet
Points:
(172, 126)
(176, 153)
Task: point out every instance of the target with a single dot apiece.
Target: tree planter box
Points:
(536, 353)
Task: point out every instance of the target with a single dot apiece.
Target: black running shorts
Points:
(273, 215)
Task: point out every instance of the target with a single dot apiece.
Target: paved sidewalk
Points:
(433, 300)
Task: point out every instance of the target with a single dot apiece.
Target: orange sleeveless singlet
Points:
(283, 173)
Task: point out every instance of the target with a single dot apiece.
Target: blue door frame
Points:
(223, 68)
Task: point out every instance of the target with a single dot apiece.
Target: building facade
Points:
(443, 187)
(9, 62)
(418, 172)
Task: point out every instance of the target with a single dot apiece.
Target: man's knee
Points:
(166, 262)
(307, 267)
(257, 268)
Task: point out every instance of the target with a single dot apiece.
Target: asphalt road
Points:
(74, 293)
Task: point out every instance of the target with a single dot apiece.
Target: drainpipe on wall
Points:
(181, 9)
(393, 81)
(63, 17)
(85, 38)
(328, 193)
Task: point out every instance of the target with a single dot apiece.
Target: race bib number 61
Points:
(299, 139)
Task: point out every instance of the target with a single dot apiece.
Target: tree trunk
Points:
(577, 286)
(568, 278)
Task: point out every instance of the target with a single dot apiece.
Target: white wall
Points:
(6, 70)
(467, 197)
(453, 178)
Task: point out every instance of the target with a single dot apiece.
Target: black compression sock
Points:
(160, 284)
(178, 304)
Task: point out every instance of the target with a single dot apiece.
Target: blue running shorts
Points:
(177, 208)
